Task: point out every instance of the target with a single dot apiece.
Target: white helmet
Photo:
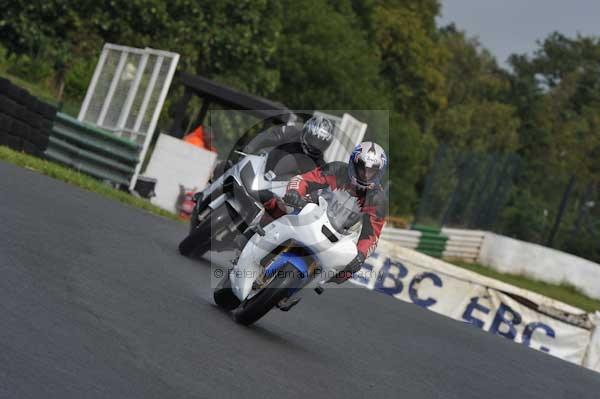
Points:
(367, 164)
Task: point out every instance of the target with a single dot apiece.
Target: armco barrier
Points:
(463, 244)
(92, 150)
(25, 121)
(524, 317)
(402, 237)
(445, 243)
(432, 241)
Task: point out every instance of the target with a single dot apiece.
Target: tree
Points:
(323, 61)
(557, 94)
(55, 31)
(230, 40)
(412, 60)
(478, 116)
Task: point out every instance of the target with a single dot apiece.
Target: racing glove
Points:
(352, 267)
(293, 198)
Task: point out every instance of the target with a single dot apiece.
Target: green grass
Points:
(563, 292)
(75, 178)
(42, 90)
(39, 91)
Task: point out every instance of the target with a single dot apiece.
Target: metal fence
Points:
(573, 222)
(501, 193)
(466, 189)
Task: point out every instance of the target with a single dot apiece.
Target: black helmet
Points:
(317, 134)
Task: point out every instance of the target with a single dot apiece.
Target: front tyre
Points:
(224, 296)
(286, 281)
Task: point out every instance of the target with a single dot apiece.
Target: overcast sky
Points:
(513, 26)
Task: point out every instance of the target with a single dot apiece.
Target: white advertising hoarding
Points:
(504, 310)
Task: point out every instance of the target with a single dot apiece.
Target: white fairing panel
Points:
(304, 228)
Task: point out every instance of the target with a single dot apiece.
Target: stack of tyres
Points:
(25, 121)
(8, 108)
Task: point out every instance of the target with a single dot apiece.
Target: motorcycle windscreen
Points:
(249, 207)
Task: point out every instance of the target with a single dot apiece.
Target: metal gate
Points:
(127, 93)
(349, 132)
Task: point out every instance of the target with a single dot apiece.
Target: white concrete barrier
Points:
(401, 237)
(508, 255)
(175, 162)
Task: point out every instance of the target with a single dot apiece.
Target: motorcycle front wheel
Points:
(285, 282)
(224, 296)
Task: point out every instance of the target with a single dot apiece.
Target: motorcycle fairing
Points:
(304, 228)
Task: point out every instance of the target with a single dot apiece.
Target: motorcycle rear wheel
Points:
(284, 284)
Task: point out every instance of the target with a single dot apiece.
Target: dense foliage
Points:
(439, 85)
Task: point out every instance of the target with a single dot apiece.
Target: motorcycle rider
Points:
(295, 148)
(361, 177)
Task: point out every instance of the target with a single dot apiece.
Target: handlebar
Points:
(296, 205)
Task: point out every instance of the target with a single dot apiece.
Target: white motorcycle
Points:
(233, 202)
(302, 249)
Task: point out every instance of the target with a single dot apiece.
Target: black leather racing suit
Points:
(286, 155)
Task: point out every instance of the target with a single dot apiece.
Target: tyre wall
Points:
(25, 121)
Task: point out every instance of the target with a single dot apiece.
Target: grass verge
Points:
(41, 90)
(564, 292)
(75, 178)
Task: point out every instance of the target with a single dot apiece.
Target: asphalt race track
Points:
(95, 302)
